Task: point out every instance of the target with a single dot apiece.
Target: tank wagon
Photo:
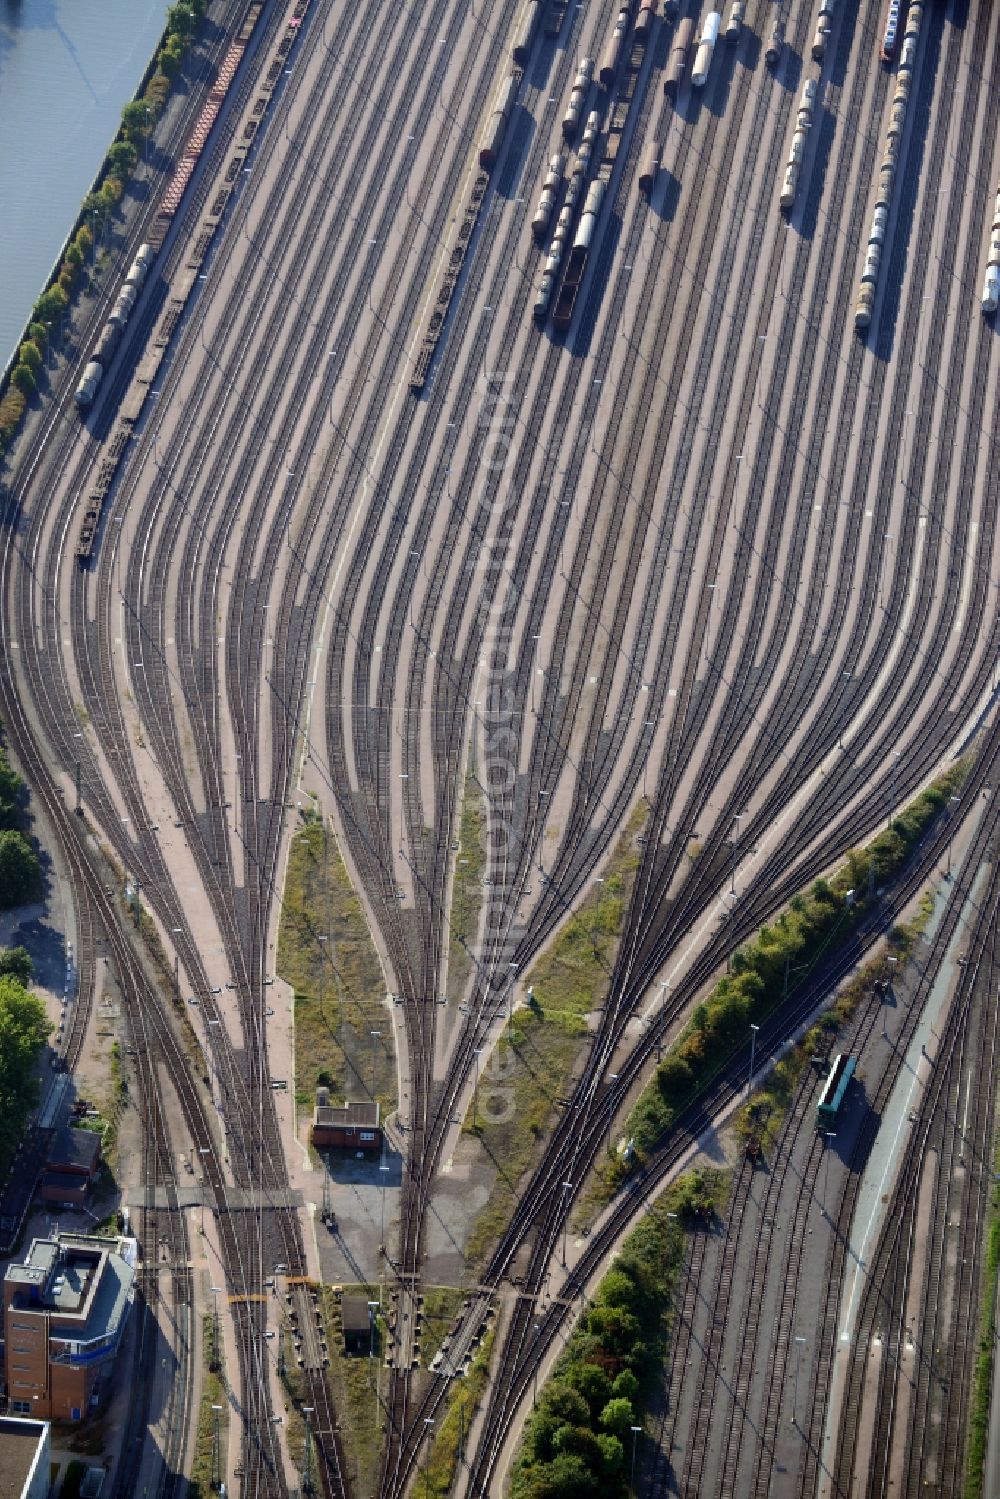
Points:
(588, 222)
(644, 20)
(706, 49)
(775, 42)
(526, 34)
(865, 305)
(797, 150)
(734, 26)
(111, 333)
(554, 17)
(559, 248)
(824, 26)
(834, 1089)
(611, 55)
(566, 263)
(650, 167)
(678, 57)
(585, 155)
(551, 190)
(498, 121)
(578, 97)
(991, 286)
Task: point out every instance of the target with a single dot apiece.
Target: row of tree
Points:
(20, 871)
(24, 1027)
(138, 119)
(762, 972)
(581, 1438)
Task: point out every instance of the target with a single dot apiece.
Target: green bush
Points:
(158, 91)
(30, 356)
(136, 120)
(12, 409)
(122, 157)
(11, 793)
(23, 1029)
(24, 380)
(576, 1438)
(15, 963)
(20, 873)
(182, 21)
(95, 206)
(51, 305)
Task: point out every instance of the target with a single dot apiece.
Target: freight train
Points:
(887, 171)
(111, 333)
(803, 124)
(824, 26)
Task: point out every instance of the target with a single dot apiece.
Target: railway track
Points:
(918, 1399)
(291, 499)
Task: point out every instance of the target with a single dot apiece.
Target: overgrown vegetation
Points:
(451, 1435)
(24, 1027)
(763, 1115)
(441, 1305)
(20, 871)
(780, 956)
(138, 119)
(296, 1394)
(213, 1392)
(107, 1119)
(578, 1440)
(982, 1378)
(357, 1392)
(326, 953)
(533, 1063)
(467, 888)
(15, 963)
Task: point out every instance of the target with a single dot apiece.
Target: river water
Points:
(66, 69)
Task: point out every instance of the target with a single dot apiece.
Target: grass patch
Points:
(357, 1394)
(326, 953)
(529, 1070)
(212, 1393)
(572, 975)
(108, 1118)
(467, 887)
(452, 1434)
(982, 1376)
(782, 955)
(294, 1383)
(533, 1063)
(578, 1439)
(441, 1305)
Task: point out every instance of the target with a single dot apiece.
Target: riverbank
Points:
(66, 69)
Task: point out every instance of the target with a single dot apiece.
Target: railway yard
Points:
(583, 416)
